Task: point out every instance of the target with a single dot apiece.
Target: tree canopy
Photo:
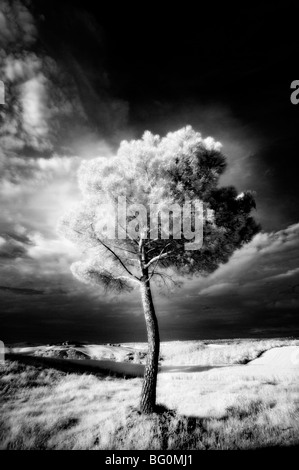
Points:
(156, 172)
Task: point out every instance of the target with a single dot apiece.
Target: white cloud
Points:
(288, 274)
(16, 23)
(34, 106)
(217, 289)
(42, 247)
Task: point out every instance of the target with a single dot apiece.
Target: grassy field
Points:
(207, 353)
(224, 405)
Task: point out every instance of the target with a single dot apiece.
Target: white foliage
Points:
(138, 169)
(152, 170)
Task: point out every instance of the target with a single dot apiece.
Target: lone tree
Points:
(153, 175)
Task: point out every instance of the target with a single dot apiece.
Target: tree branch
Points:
(124, 249)
(111, 251)
(129, 278)
(158, 257)
(131, 238)
(118, 258)
(114, 254)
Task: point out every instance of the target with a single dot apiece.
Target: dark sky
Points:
(205, 67)
(79, 78)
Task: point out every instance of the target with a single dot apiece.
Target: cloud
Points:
(29, 173)
(34, 105)
(288, 274)
(10, 249)
(217, 289)
(257, 288)
(45, 129)
(42, 109)
(53, 103)
(20, 291)
(17, 26)
(268, 255)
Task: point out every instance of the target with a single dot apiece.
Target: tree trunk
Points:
(148, 394)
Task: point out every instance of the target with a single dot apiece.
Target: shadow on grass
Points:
(100, 367)
(95, 367)
(187, 369)
(165, 429)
